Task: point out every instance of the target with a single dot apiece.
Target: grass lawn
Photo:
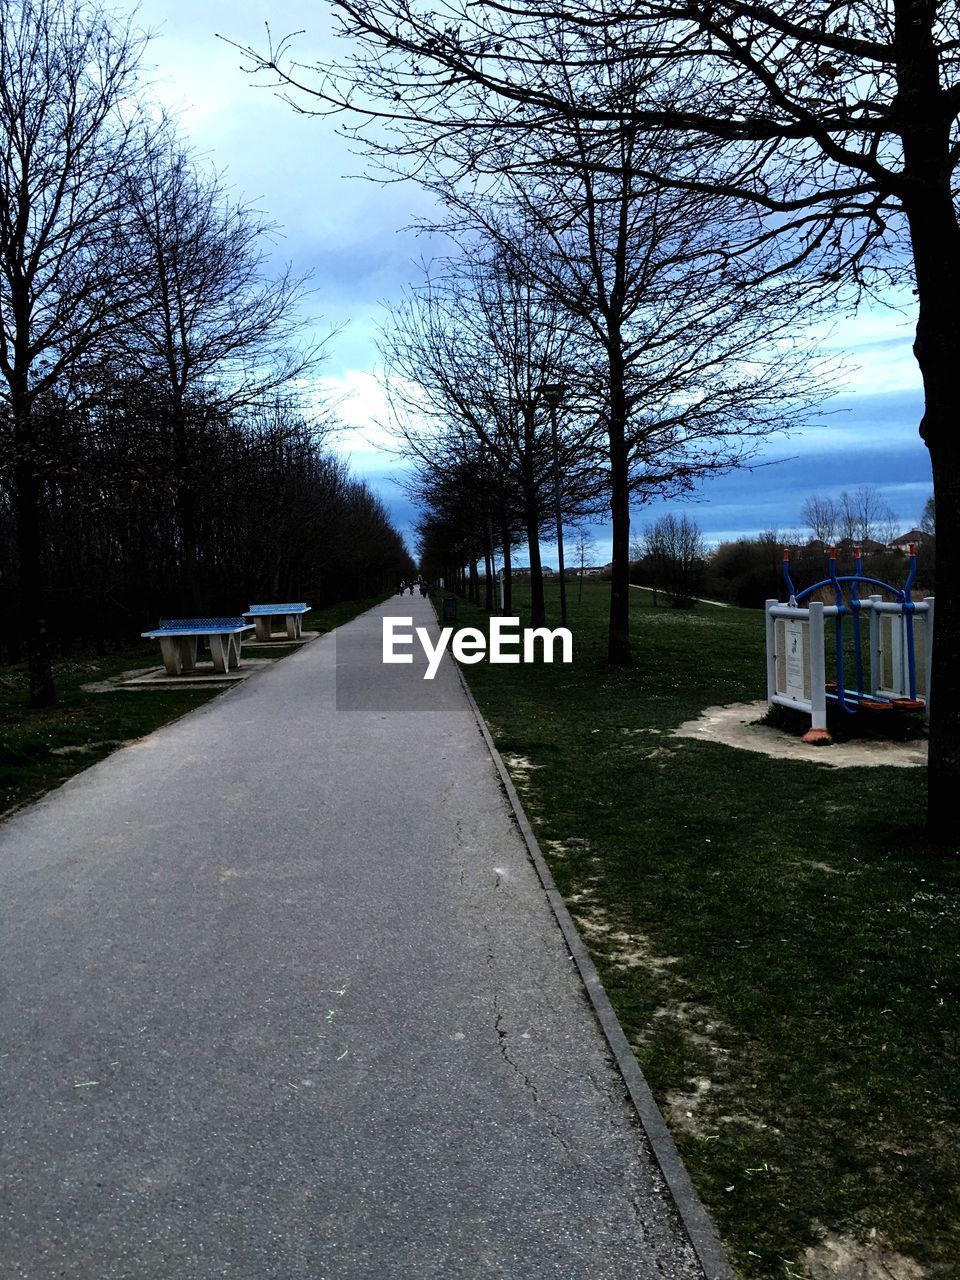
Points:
(779, 941)
(40, 748)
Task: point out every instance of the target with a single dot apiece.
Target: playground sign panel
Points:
(795, 648)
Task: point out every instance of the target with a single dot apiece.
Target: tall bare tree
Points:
(211, 330)
(821, 517)
(68, 131)
(686, 367)
(674, 548)
(866, 515)
(473, 351)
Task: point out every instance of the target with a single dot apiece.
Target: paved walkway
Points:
(282, 999)
(719, 604)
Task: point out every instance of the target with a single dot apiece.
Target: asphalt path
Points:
(281, 998)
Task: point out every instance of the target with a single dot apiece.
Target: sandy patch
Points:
(563, 848)
(520, 766)
(683, 1106)
(843, 1258)
(622, 949)
(85, 748)
(735, 726)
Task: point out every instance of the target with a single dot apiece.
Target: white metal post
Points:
(876, 671)
(771, 653)
(818, 675)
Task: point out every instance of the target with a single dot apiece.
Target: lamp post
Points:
(553, 393)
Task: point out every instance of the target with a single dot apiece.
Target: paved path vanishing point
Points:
(282, 999)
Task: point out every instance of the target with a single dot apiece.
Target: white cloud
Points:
(877, 348)
(361, 405)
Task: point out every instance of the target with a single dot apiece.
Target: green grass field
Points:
(779, 941)
(40, 748)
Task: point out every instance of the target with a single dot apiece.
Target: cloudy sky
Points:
(350, 233)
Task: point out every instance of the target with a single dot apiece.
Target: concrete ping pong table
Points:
(179, 637)
(264, 614)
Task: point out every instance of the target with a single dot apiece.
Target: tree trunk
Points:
(488, 570)
(618, 638)
(538, 608)
(935, 239)
(507, 567)
(28, 514)
(943, 809)
(186, 507)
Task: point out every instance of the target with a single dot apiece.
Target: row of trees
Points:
(861, 516)
(147, 464)
(279, 518)
(823, 136)
(574, 351)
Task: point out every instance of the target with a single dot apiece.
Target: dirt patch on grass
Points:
(564, 848)
(520, 767)
(684, 1107)
(738, 726)
(621, 949)
(844, 1258)
(694, 1107)
(85, 748)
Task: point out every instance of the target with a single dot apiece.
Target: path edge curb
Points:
(694, 1218)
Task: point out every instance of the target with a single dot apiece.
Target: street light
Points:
(553, 393)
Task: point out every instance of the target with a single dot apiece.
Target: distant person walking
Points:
(403, 586)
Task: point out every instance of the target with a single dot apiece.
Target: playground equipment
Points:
(900, 647)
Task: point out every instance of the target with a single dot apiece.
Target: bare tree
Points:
(68, 126)
(820, 515)
(676, 552)
(865, 515)
(684, 367)
(471, 352)
(210, 330)
(676, 367)
(928, 520)
(584, 549)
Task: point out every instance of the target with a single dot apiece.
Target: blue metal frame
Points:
(198, 626)
(275, 610)
(835, 581)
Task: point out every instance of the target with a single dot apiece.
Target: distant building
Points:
(843, 546)
(846, 545)
(569, 571)
(902, 543)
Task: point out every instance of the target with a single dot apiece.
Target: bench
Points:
(264, 614)
(179, 636)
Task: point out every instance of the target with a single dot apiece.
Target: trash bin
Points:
(449, 609)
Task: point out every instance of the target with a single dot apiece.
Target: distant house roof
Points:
(865, 544)
(912, 535)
